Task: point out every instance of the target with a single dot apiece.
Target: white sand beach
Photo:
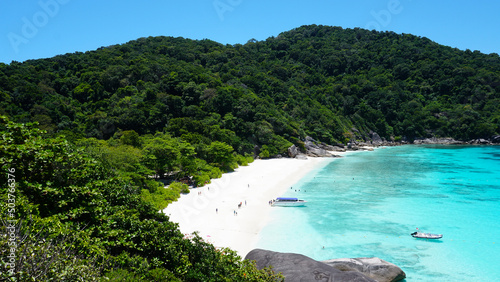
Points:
(210, 210)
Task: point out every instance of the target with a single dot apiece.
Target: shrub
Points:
(179, 187)
(243, 160)
(264, 152)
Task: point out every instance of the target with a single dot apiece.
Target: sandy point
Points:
(232, 210)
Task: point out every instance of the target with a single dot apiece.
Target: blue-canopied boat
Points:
(288, 202)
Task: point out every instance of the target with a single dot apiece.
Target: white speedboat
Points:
(289, 202)
(426, 235)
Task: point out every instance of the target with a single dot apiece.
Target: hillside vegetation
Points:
(333, 84)
(67, 216)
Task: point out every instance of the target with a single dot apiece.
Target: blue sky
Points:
(32, 29)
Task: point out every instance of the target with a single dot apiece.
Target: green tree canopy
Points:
(80, 221)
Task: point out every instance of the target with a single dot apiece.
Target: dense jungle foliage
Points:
(69, 217)
(330, 83)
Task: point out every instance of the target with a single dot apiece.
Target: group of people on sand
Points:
(239, 207)
(234, 212)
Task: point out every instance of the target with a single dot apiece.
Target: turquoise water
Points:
(367, 204)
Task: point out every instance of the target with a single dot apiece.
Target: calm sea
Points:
(366, 204)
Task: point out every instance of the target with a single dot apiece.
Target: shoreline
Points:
(212, 210)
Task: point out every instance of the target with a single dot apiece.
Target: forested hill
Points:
(330, 83)
(180, 109)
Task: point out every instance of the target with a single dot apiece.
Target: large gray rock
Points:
(375, 268)
(316, 149)
(318, 152)
(299, 268)
(293, 151)
(495, 139)
(338, 149)
(352, 146)
(376, 140)
(310, 143)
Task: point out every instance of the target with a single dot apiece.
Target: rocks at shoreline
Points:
(375, 268)
(450, 141)
(434, 140)
(495, 139)
(296, 267)
(314, 148)
(480, 142)
(376, 140)
(319, 149)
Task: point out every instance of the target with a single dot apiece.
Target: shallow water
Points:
(367, 204)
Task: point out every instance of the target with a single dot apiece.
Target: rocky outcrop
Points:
(319, 149)
(479, 142)
(318, 152)
(450, 141)
(495, 139)
(293, 151)
(296, 267)
(435, 140)
(375, 138)
(375, 268)
(314, 148)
